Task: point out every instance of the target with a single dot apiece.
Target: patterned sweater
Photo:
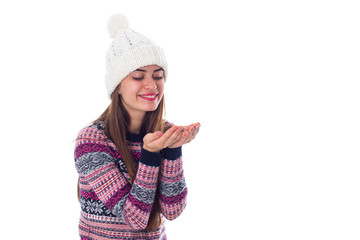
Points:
(112, 207)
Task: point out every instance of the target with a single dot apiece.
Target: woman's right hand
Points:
(154, 142)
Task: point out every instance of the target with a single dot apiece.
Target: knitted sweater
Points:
(112, 207)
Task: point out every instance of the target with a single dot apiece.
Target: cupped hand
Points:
(154, 142)
(187, 136)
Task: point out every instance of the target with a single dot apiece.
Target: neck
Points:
(136, 123)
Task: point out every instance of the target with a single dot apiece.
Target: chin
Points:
(151, 108)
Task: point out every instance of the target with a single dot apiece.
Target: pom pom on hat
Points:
(116, 23)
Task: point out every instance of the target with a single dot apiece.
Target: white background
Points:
(275, 85)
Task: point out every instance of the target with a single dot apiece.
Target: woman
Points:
(129, 160)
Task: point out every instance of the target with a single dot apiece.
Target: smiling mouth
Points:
(149, 97)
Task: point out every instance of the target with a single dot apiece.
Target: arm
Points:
(172, 186)
(173, 190)
(95, 162)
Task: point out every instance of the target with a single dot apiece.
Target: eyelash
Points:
(139, 79)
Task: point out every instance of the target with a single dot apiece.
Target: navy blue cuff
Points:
(172, 153)
(150, 158)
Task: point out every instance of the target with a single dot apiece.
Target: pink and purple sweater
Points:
(112, 207)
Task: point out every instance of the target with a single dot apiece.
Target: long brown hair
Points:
(116, 120)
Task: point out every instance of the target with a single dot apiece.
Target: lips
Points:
(149, 96)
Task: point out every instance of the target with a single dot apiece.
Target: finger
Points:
(161, 142)
(193, 133)
(178, 143)
(149, 140)
(152, 136)
(188, 135)
(187, 130)
(196, 131)
(175, 136)
(195, 124)
(168, 134)
(157, 135)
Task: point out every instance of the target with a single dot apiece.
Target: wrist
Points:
(150, 149)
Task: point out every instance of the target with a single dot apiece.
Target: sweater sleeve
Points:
(173, 190)
(96, 163)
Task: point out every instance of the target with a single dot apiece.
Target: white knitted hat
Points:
(128, 51)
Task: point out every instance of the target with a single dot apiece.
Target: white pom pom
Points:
(116, 22)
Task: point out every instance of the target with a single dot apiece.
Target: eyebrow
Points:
(142, 70)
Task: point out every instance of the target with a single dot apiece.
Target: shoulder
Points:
(92, 141)
(94, 132)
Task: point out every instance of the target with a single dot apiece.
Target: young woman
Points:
(129, 160)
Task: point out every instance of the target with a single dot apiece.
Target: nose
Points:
(150, 83)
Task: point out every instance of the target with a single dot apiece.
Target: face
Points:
(142, 90)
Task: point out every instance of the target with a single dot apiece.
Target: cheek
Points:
(130, 90)
(160, 86)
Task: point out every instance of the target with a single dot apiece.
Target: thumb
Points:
(157, 134)
(152, 136)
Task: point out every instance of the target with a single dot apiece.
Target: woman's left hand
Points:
(188, 135)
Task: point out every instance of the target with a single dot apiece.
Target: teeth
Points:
(151, 96)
